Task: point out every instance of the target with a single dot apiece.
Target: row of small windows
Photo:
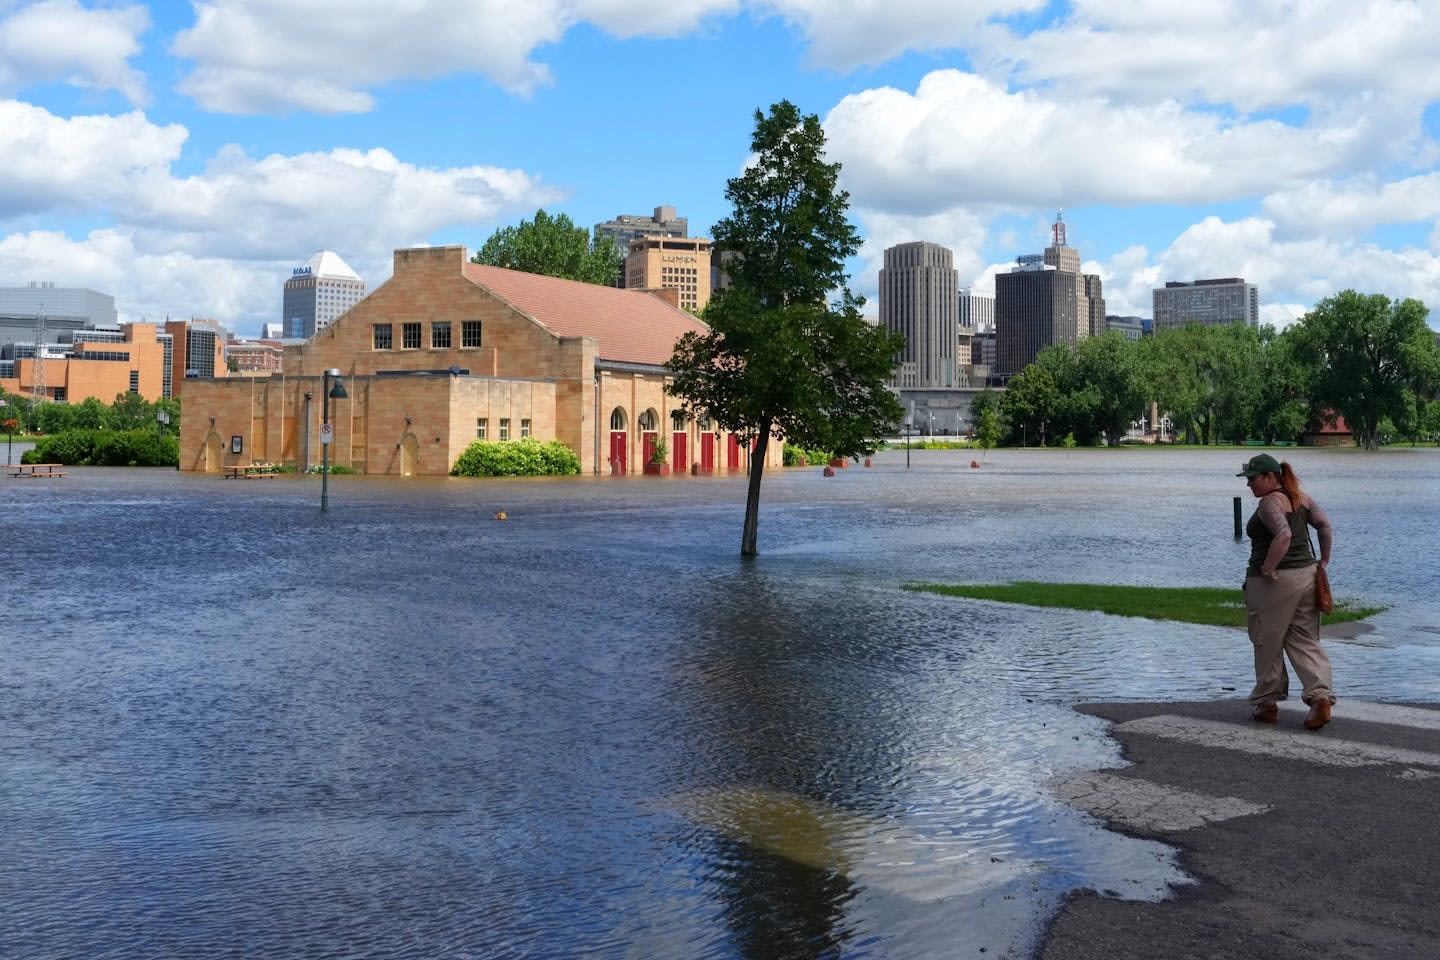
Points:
(482, 428)
(440, 335)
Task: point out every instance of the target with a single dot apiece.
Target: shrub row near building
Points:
(526, 457)
(106, 448)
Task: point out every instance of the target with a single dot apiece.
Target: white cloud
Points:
(1257, 54)
(320, 56)
(55, 164)
(59, 40)
(960, 139)
(857, 33)
(1355, 206)
(221, 242)
(258, 56)
(1288, 272)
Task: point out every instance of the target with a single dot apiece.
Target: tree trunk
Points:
(751, 534)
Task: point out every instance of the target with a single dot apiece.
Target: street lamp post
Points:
(162, 420)
(9, 428)
(336, 392)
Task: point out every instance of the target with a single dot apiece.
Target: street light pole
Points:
(10, 428)
(338, 393)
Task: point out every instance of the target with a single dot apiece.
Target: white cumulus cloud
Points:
(61, 41)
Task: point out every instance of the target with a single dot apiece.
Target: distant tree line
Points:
(130, 431)
(1366, 358)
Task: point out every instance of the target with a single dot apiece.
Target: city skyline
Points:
(186, 158)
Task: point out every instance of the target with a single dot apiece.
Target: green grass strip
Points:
(1216, 606)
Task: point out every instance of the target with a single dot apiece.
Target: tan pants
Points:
(1282, 620)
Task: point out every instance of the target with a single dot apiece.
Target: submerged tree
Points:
(554, 247)
(779, 355)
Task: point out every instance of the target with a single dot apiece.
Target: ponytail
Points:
(1290, 483)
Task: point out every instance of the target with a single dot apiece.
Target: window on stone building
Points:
(524, 426)
(440, 335)
(470, 333)
(410, 336)
(504, 428)
(383, 340)
(482, 427)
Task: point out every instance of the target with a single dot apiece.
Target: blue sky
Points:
(184, 157)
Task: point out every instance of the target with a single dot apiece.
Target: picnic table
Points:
(248, 471)
(37, 470)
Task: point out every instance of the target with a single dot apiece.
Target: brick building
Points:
(447, 351)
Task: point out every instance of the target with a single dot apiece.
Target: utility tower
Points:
(37, 379)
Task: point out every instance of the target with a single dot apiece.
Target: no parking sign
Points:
(327, 432)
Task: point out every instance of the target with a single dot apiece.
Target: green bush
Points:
(106, 448)
(333, 469)
(791, 456)
(526, 457)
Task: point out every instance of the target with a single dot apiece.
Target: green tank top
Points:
(1299, 554)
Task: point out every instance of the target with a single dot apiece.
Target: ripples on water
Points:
(233, 726)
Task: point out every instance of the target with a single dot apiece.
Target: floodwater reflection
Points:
(231, 725)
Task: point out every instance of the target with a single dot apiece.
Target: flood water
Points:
(233, 726)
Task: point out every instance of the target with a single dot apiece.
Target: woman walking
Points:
(1280, 610)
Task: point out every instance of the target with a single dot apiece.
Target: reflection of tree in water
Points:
(778, 908)
(775, 731)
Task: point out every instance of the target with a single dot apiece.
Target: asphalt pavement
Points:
(1304, 844)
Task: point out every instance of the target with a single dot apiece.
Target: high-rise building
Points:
(318, 292)
(1132, 327)
(1094, 305)
(198, 351)
(976, 320)
(664, 263)
(1043, 301)
(1221, 301)
(920, 297)
(628, 227)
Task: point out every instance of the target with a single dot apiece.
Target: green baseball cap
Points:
(1258, 464)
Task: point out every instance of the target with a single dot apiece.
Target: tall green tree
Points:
(1283, 407)
(555, 247)
(989, 419)
(1114, 393)
(781, 356)
(1366, 352)
(1033, 396)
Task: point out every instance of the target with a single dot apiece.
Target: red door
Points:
(647, 445)
(677, 452)
(707, 451)
(618, 462)
(732, 453)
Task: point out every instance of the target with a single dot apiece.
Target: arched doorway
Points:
(649, 424)
(409, 455)
(679, 455)
(618, 459)
(214, 452)
(707, 445)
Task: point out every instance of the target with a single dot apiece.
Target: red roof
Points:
(632, 326)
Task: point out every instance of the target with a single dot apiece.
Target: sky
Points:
(185, 157)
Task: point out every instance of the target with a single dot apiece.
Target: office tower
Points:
(318, 292)
(1094, 306)
(665, 263)
(1035, 307)
(1043, 301)
(1132, 327)
(920, 297)
(1222, 301)
(628, 227)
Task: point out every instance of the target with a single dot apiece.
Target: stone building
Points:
(447, 351)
